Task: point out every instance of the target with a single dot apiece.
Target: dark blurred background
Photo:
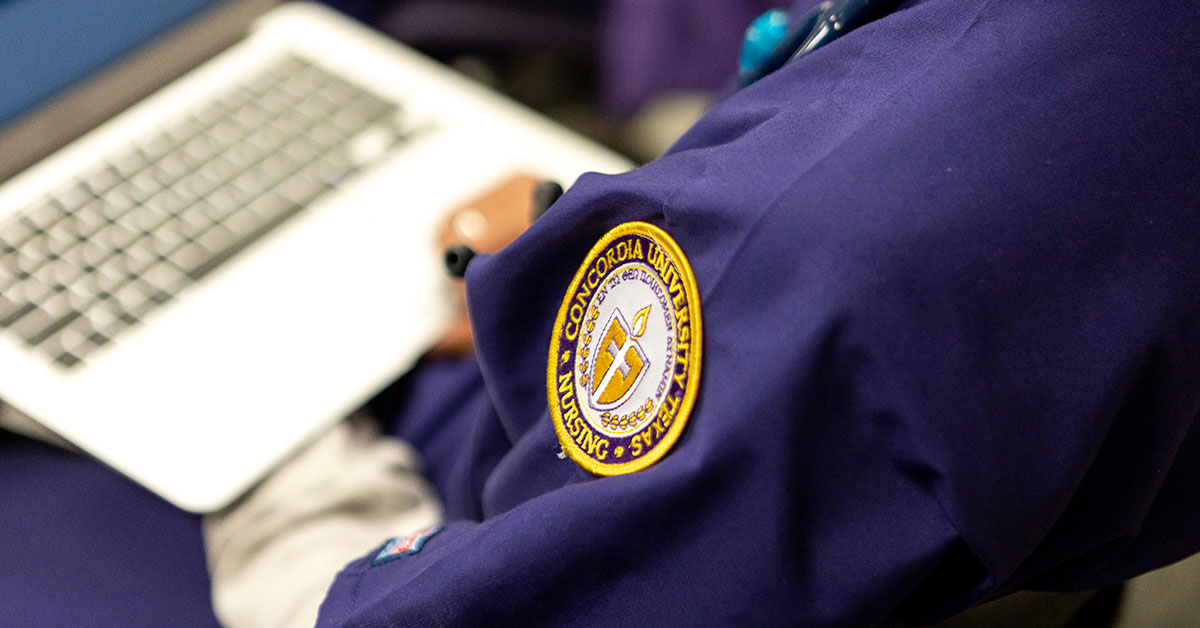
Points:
(632, 74)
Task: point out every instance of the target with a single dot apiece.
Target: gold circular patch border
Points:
(691, 388)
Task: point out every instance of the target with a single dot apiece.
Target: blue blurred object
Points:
(774, 38)
(762, 38)
(771, 39)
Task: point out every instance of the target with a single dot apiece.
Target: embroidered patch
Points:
(624, 365)
(407, 546)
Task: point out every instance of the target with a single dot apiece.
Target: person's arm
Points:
(951, 345)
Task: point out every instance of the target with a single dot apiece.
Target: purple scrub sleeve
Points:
(947, 267)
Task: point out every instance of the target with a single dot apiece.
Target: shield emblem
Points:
(620, 361)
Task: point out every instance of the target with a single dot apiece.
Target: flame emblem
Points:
(620, 361)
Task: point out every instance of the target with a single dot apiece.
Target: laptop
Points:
(194, 285)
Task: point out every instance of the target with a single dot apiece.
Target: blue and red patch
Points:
(406, 546)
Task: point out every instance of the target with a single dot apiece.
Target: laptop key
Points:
(77, 300)
(91, 253)
(165, 241)
(273, 103)
(72, 339)
(221, 203)
(80, 337)
(74, 195)
(103, 314)
(183, 130)
(51, 329)
(301, 150)
(111, 275)
(57, 305)
(244, 220)
(304, 82)
(10, 263)
(299, 189)
(199, 149)
(31, 256)
(86, 286)
(11, 311)
(250, 116)
(45, 214)
(232, 247)
(259, 83)
(117, 235)
(236, 99)
(68, 360)
(30, 290)
(47, 274)
(169, 202)
(226, 132)
(89, 218)
(133, 294)
(101, 179)
(192, 221)
(146, 218)
(61, 236)
(33, 325)
(8, 279)
(337, 92)
(334, 171)
(216, 239)
(117, 202)
(142, 186)
(164, 277)
(157, 145)
(17, 231)
(326, 135)
(287, 66)
(128, 163)
(139, 257)
(189, 257)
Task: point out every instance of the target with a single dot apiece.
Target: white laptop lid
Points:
(217, 387)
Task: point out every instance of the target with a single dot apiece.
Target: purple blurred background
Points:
(592, 64)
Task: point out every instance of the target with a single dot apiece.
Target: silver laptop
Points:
(193, 289)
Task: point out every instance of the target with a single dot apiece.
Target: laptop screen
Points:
(48, 45)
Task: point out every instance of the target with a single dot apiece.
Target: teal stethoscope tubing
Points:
(774, 39)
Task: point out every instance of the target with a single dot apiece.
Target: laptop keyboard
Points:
(103, 252)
